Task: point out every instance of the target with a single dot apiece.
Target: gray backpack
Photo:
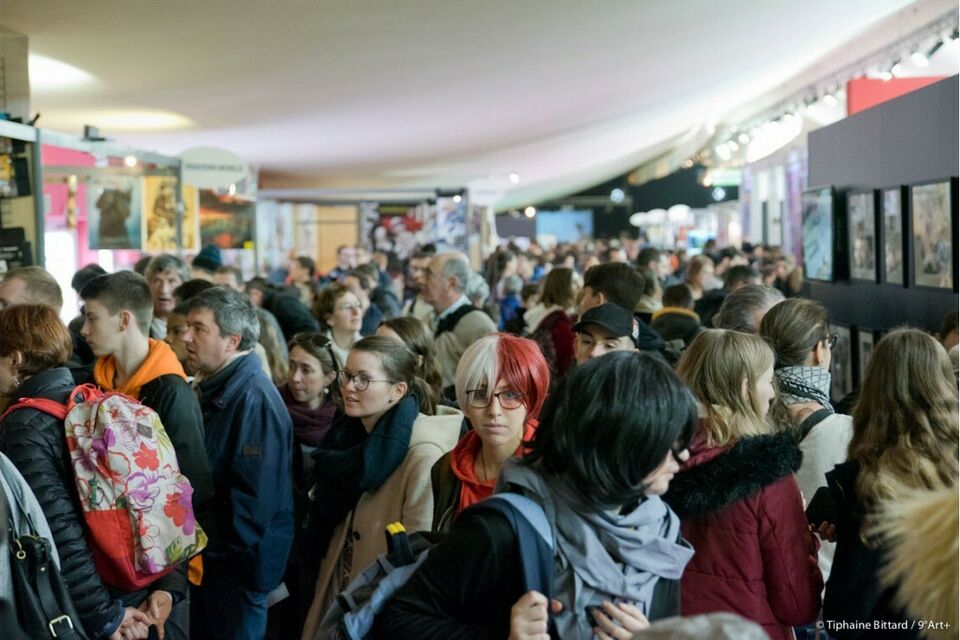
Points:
(353, 612)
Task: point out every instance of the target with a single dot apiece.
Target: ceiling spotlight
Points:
(789, 117)
(718, 194)
(530, 212)
(733, 145)
(723, 151)
(458, 199)
(232, 189)
(955, 34)
(515, 178)
(936, 47)
(743, 138)
(919, 59)
(885, 75)
(688, 163)
(617, 196)
(896, 68)
(830, 100)
(130, 161)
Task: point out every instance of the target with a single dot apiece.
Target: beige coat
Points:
(406, 496)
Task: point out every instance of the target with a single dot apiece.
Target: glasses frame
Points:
(352, 378)
(832, 340)
(471, 393)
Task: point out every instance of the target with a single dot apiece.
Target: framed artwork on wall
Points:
(841, 363)
(865, 339)
(862, 232)
(819, 234)
(891, 232)
(932, 232)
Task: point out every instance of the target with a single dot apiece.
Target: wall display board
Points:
(448, 224)
(226, 220)
(841, 363)
(160, 215)
(114, 212)
(554, 227)
(819, 219)
(862, 230)
(891, 229)
(394, 228)
(932, 235)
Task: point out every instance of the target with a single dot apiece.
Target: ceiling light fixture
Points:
(514, 178)
(936, 47)
(918, 59)
(830, 100)
(743, 138)
(130, 161)
(896, 68)
(617, 195)
(458, 199)
(530, 212)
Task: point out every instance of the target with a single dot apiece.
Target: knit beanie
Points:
(208, 259)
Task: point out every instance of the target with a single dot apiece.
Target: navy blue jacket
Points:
(249, 439)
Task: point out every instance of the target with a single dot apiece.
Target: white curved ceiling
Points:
(417, 93)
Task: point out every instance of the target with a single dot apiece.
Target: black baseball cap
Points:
(614, 318)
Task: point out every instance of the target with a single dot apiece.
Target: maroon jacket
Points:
(741, 509)
(555, 337)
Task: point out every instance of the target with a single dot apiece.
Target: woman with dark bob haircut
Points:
(607, 446)
(34, 347)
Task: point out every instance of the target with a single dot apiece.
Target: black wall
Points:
(911, 139)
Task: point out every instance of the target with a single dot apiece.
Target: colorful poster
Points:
(933, 249)
(447, 226)
(226, 221)
(863, 236)
(114, 213)
(160, 215)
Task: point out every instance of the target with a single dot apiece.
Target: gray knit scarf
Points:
(800, 385)
(601, 555)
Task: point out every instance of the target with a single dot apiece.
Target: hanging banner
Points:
(212, 168)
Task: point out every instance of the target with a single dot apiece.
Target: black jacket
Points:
(854, 593)
(467, 585)
(290, 313)
(35, 442)
(179, 410)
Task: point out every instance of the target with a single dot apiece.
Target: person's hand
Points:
(826, 531)
(528, 617)
(134, 626)
(158, 604)
(618, 622)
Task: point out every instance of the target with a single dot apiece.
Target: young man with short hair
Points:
(604, 329)
(118, 309)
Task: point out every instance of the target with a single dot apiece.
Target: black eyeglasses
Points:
(832, 340)
(481, 398)
(360, 381)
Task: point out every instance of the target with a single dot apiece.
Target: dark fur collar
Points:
(747, 467)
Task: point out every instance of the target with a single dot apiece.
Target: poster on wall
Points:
(160, 215)
(930, 217)
(448, 224)
(395, 229)
(841, 363)
(863, 236)
(225, 220)
(892, 208)
(114, 212)
(818, 224)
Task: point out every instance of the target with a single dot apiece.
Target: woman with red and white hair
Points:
(501, 383)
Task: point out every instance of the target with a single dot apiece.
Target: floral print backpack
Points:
(137, 505)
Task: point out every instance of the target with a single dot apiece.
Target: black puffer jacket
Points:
(35, 443)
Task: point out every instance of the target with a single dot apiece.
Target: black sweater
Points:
(470, 581)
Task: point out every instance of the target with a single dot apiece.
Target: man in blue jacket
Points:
(249, 440)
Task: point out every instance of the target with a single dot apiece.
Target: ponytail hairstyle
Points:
(905, 424)
(400, 365)
(417, 337)
(792, 328)
(715, 366)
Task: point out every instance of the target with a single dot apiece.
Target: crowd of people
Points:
(669, 414)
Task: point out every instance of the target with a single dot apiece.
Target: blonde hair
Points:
(920, 531)
(905, 424)
(715, 366)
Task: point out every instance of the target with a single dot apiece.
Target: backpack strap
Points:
(50, 407)
(535, 539)
(813, 420)
(450, 322)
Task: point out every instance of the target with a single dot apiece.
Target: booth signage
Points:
(212, 168)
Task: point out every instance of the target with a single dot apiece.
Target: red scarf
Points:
(472, 489)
